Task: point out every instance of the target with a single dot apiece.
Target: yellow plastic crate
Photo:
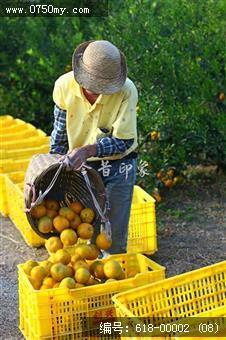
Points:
(28, 142)
(24, 153)
(21, 135)
(16, 177)
(3, 196)
(9, 165)
(57, 313)
(142, 235)
(195, 293)
(13, 126)
(5, 118)
(15, 210)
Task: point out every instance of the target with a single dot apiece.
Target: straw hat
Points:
(99, 67)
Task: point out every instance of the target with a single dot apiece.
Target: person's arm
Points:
(58, 139)
(109, 146)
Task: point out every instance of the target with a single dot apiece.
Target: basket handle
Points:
(105, 223)
(41, 195)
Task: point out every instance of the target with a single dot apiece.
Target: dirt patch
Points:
(191, 234)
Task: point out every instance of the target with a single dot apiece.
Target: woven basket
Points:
(69, 186)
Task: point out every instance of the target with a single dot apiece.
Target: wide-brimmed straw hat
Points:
(99, 67)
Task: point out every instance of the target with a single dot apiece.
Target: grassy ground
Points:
(191, 234)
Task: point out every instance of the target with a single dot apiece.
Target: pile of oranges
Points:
(72, 223)
(72, 263)
(74, 271)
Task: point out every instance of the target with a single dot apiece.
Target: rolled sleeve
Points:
(58, 138)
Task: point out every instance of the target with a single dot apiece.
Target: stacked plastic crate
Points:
(19, 142)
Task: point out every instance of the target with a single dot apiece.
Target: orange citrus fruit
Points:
(75, 222)
(112, 269)
(45, 224)
(83, 250)
(168, 183)
(92, 281)
(51, 213)
(85, 231)
(53, 244)
(79, 285)
(75, 258)
(47, 265)
(87, 215)
(59, 271)
(67, 282)
(62, 256)
(38, 211)
(60, 223)
(68, 237)
(67, 213)
(79, 264)
(76, 207)
(28, 265)
(49, 281)
(38, 273)
(82, 275)
(35, 283)
(102, 242)
(97, 269)
(52, 205)
(94, 252)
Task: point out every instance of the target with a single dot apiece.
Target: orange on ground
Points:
(102, 242)
(76, 207)
(112, 269)
(85, 231)
(53, 244)
(68, 237)
(62, 256)
(52, 205)
(82, 275)
(45, 224)
(75, 222)
(60, 223)
(67, 213)
(38, 211)
(59, 271)
(87, 215)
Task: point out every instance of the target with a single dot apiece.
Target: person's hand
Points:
(78, 156)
